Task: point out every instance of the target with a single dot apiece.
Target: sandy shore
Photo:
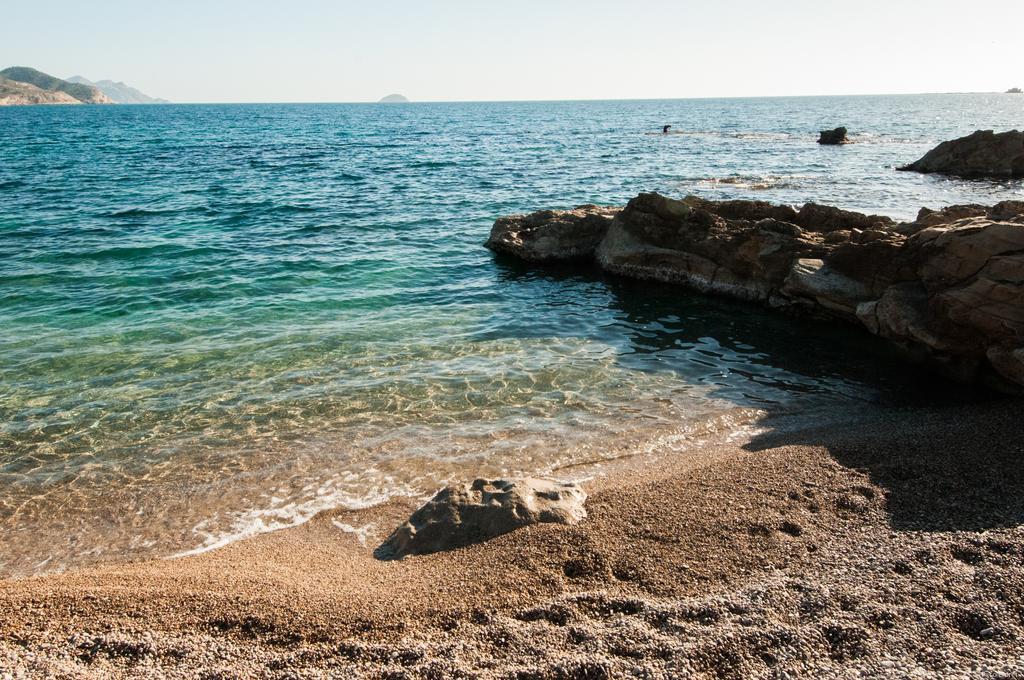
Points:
(887, 545)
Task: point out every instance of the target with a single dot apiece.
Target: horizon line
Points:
(558, 101)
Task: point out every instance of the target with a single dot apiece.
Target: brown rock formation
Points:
(833, 137)
(982, 154)
(948, 287)
(552, 234)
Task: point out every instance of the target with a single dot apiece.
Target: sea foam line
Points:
(249, 523)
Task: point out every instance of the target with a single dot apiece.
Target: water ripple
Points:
(219, 319)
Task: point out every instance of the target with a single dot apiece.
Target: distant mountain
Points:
(394, 99)
(1015, 90)
(13, 93)
(118, 92)
(85, 94)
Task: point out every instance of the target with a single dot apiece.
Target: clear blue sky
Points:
(319, 50)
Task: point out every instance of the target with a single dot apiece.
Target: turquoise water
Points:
(218, 320)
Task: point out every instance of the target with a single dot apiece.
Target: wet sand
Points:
(882, 543)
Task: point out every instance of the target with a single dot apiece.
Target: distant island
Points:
(1015, 90)
(21, 85)
(118, 92)
(394, 99)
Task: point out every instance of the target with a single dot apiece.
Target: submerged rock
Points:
(837, 136)
(471, 513)
(979, 155)
(552, 235)
(948, 287)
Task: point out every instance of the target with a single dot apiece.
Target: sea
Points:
(220, 320)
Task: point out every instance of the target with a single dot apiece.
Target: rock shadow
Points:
(948, 456)
(740, 351)
(940, 468)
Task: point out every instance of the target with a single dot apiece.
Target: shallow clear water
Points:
(221, 319)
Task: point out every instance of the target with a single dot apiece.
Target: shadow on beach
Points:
(947, 456)
(941, 469)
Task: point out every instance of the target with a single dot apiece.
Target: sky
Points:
(458, 50)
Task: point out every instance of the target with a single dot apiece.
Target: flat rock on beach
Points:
(471, 513)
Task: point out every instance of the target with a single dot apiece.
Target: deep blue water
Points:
(221, 319)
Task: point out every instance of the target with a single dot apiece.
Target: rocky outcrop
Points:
(552, 235)
(983, 154)
(13, 93)
(958, 293)
(833, 137)
(685, 242)
(47, 83)
(471, 513)
(947, 287)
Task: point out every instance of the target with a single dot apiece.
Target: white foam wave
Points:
(363, 533)
(755, 182)
(280, 515)
(735, 423)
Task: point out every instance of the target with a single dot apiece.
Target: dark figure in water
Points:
(664, 130)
